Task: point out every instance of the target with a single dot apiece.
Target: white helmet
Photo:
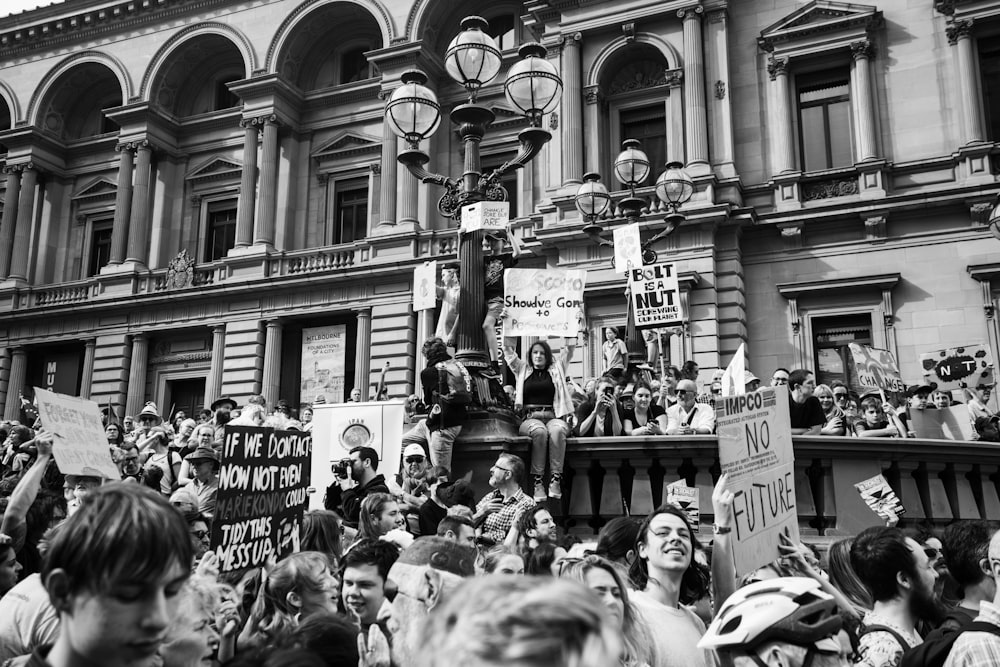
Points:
(793, 610)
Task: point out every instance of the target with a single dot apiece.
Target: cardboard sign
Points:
(262, 495)
(79, 443)
(337, 429)
(755, 448)
(882, 500)
(485, 215)
(543, 302)
(735, 374)
(972, 365)
(655, 295)
(686, 498)
(874, 369)
(628, 247)
(953, 423)
(425, 286)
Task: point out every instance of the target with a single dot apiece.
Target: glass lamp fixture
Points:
(632, 165)
(533, 86)
(674, 186)
(473, 59)
(413, 112)
(592, 201)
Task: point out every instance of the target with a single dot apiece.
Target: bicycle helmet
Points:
(787, 609)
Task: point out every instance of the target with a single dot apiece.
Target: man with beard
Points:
(364, 471)
(500, 509)
(536, 526)
(223, 408)
(901, 579)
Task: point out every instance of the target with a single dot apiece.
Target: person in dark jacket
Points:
(364, 471)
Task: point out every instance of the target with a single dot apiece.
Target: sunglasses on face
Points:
(840, 395)
(681, 392)
(200, 534)
(415, 459)
(780, 380)
(931, 553)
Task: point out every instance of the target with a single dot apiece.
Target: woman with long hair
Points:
(321, 532)
(379, 515)
(605, 578)
(645, 418)
(845, 579)
(501, 559)
(835, 419)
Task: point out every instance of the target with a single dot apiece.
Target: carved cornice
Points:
(862, 49)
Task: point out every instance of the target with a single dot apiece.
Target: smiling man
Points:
(113, 572)
(365, 569)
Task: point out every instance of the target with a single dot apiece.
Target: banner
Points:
(324, 351)
(337, 429)
(655, 295)
(628, 247)
(79, 443)
(972, 365)
(425, 286)
(882, 500)
(874, 369)
(953, 423)
(543, 302)
(733, 379)
(262, 495)
(755, 448)
(485, 215)
(686, 498)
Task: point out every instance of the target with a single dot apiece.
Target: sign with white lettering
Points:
(882, 500)
(485, 215)
(79, 443)
(543, 302)
(656, 296)
(628, 247)
(425, 286)
(949, 368)
(686, 498)
(755, 448)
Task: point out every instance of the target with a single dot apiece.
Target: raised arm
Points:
(27, 489)
(723, 566)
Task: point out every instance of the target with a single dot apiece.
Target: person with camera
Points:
(362, 467)
(600, 415)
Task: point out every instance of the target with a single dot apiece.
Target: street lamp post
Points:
(673, 187)
(413, 113)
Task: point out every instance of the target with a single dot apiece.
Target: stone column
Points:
(720, 93)
(572, 111)
(363, 358)
(862, 83)
(409, 195)
(387, 190)
(25, 218)
(136, 397)
(594, 101)
(780, 117)
(695, 116)
(264, 228)
(15, 382)
(248, 184)
(138, 226)
(271, 383)
(12, 194)
(960, 36)
(213, 384)
(87, 376)
(123, 205)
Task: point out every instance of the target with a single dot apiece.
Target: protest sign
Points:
(686, 498)
(425, 286)
(733, 379)
(543, 302)
(324, 354)
(952, 423)
(656, 297)
(873, 369)
(79, 443)
(263, 485)
(882, 500)
(950, 368)
(337, 429)
(755, 449)
(485, 215)
(628, 247)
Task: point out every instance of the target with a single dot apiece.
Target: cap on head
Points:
(203, 453)
(149, 411)
(413, 449)
(983, 422)
(921, 389)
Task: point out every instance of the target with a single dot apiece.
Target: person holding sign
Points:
(494, 267)
(687, 416)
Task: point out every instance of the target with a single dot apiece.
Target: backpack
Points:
(936, 648)
(905, 645)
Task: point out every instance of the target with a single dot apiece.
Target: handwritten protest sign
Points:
(543, 302)
(485, 215)
(656, 297)
(628, 247)
(873, 369)
(79, 443)
(755, 448)
(686, 498)
(425, 286)
(882, 500)
(951, 423)
(339, 428)
(971, 364)
(263, 486)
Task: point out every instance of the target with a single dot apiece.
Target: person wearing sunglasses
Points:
(835, 419)
(687, 416)
(499, 509)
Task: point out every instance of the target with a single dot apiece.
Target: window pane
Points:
(989, 63)
(813, 131)
(649, 126)
(353, 66)
(100, 247)
(221, 231)
(351, 215)
(831, 336)
(839, 116)
(502, 31)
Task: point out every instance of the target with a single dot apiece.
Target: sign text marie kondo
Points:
(262, 495)
(755, 448)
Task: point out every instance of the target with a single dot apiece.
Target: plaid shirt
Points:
(497, 525)
(977, 649)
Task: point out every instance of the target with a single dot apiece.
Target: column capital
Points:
(375, 168)
(139, 337)
(17, 350)
(18, 168)
(218, 328)
(570, 39)
(862, 49)
(956, 30)
(275, 323)
(593, 95)
(249, 123)
(363, 312)
(89, 342)
(133, 146)
(674, 78)
(260, 121)
(777, 67)
(690, 13)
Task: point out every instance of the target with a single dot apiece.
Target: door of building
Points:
(187, 396)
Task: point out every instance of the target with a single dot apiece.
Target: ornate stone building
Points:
(192, 184)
